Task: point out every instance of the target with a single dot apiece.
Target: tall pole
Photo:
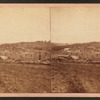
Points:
(50, 22)
(50, 32)
(50, 49)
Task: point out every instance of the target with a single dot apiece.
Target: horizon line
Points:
(49, 41)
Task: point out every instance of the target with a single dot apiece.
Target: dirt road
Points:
(24, 78)
(75, 78)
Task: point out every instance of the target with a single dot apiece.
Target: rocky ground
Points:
(57, 78)
(24, 78)
(75, 78)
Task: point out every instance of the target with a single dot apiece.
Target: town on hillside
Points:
(42, 52)
(77, 53)
(26, 52)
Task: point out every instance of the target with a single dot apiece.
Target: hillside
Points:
(30, 52)
(26, 51)
(84, 52)
(27, 45)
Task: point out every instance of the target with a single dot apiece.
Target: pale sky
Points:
(68, 25)
(24, 24)
(75, 24)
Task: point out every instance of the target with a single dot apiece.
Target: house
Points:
(75, 57)
(66, 49)
(3, 57)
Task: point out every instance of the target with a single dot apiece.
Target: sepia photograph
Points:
(49, 49)
(75, 57)
(25, 50)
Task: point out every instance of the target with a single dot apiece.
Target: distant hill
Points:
(76, 45)
(28, 45)
(85, 51)
(31, 50)
(26, 50)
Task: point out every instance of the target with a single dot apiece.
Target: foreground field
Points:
(24, 78)
(75, 78)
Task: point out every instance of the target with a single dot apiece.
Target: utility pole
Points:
(39, 56)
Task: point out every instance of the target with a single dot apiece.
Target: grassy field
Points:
(75, 78)
(24, 78)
